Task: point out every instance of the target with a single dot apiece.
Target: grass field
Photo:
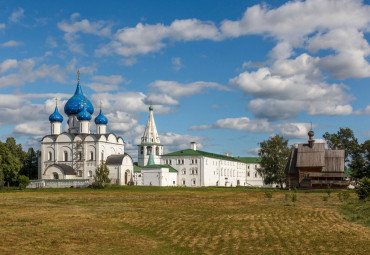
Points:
(150, 220)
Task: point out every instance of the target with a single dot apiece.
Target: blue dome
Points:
(56, 116)
(84, 115)
(101, 119)
(76, 103)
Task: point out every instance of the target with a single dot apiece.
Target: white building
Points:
(190, 167)
(76, 154)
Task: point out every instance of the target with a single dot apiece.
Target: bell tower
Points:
(150, 143)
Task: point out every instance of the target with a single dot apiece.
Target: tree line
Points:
(16, 165)
(275, 152)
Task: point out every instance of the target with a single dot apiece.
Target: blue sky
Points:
(226, 74)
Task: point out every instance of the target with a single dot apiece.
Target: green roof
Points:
(250, 159)
(137, 169)
(158, 144)
(171, 169)
(190, 152)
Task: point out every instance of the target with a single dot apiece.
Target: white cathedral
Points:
(71, 158)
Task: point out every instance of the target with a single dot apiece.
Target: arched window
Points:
(90, 173)
(56, 175)
(141, 150)
(50, 156)
(148, 150)
(65, 156)
(91, 155)
(102, 156)
(157, 151)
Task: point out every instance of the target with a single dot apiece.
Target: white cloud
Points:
(73, 27)
(290, 86)
(32, 128)
(112, 79)
(176, 89)
(7, 65)
(16, 15)
(243, 124)
(174, 142)
(146, 38)
(28, 73)
(176, 64)
(51, 42)
(11, 43)
(128, 61)
(2, 26)
(365, 111)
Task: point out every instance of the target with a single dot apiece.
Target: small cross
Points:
(56, 101)
(78, 74)
(101, 105)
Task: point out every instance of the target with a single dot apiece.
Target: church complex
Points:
(71, 158)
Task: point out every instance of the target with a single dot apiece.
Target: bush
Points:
(1, 179)
(23, 181)
(294, 197)
(101, 177)
(363, 191)
(268, 194)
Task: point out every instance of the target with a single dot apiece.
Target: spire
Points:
(150, 160)
(150, 134)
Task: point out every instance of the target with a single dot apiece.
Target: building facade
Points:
(311, 166)
(76, 154)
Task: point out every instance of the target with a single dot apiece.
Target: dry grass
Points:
(139, 220)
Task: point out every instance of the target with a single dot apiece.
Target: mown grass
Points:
(152, 220)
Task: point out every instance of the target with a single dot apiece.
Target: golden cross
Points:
(78, 74)
(101, 105)
(56, 101)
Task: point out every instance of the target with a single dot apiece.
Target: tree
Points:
(363, 191)
(101, 177)
(23, 181)
(30, 164)
(1, 176)
(355, 159)
(10, 164)
(274, 155)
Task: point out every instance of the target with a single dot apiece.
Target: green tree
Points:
(30, 164)
(101, 177)
(363, 191)
(23, 181)
(1, 176)
(345, 140)
(366, 149)
(274, 154)
(10, 164)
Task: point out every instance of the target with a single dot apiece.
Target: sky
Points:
(225, 74)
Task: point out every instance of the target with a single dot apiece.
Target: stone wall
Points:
(81, 183)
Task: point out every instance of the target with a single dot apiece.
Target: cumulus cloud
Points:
(365, 111)
(11, 43)
(177, 90)
(16, 15)
(174, 142)
(146, 38)
(290, 86)
(288, 130)
(74, 27)
(2, 26)
(243, 123)
(103, 83)
(28, 72)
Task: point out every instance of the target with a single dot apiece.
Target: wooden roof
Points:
(311, 157)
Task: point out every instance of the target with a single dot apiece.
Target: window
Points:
(148, 150)
(248, 167)
(255, 174)
(79, 173)
(157, 151)
(173, 182)
(196, 170)
(196, 161)
(56, 175)
(193, 182)
(184, 171)
(50, 156)
(79, 155)
(182, 161)
(141, 150)
(90, 173)
(65, 156)
(249, 174)
(183, 182)
(102, 156)
(91, 155)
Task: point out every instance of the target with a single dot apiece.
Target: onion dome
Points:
(56, 116)
(76, 103)
(84, 115)
(151, 108)
(101, 119)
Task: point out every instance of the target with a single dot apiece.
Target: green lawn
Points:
(150, 220)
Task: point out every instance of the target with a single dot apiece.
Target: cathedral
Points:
(71, 158)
